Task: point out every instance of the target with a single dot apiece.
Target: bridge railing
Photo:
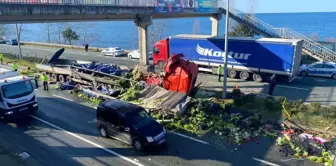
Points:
(140, 3)
(309, 44)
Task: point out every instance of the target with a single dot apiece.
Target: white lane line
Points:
(89, 142)
(185, 136)
(292, 87)
(62, 97)
(265, 162)
(320, 80)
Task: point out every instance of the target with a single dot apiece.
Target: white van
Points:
(17, 96)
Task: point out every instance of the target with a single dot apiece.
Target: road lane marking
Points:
(89, 142)
(62, 98)
(320, 80)
(185, 136)
(293, 87)
(265, 162)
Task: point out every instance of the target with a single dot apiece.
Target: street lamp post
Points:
(226, 49)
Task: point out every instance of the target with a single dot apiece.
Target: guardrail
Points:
(139, 3)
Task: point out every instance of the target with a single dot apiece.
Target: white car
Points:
(136, 54)
(322, 69)
(113, 51)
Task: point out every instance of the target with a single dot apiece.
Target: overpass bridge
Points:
(142, 12)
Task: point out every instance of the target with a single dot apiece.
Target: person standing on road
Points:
(45, 79)
(15, 67)
(220, 72)
(36, 78)
(86, 47)
(272, 84)
(1, 58)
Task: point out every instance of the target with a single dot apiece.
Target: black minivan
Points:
(129, 123)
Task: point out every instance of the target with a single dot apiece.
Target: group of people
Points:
(272, 81)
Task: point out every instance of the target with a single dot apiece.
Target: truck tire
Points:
(53, 77)
(257, 77)
(68, 79)
(232, 73)
(304, 73)
(61, 78)
(244, 75)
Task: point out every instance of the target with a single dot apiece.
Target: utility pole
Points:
(18, 37)
(226, 49)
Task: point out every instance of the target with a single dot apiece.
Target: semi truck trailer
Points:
(247, 57)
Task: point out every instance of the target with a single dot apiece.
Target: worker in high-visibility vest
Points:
(220, 72)
(1, 58)
(45, 79)
(15, 67)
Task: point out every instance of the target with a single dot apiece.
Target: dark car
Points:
(12, 42)
(2, 41)
(129, 123)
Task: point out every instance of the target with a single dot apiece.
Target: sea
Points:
(124, 34)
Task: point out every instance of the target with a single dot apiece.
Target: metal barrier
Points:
(142, 3)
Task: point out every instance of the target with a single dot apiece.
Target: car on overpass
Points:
(321, 69)
(12, 42)
(113, 51)
(130, 124)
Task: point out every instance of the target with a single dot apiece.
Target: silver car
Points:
(322, 69)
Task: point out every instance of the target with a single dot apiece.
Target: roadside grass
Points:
(26, 61)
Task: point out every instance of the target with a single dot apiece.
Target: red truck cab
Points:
(161, 52)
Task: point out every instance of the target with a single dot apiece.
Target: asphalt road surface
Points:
(64, 133)
(309, 89)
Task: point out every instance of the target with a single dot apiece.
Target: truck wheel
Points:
(304, 73)
(68, 79)
(61, 78)
(53, 78)
(244, 75)
(333, 76)
(257, 77)
(232, 73)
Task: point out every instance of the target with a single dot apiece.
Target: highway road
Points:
(310, 89)
(64, 133)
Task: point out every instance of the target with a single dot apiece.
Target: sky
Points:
(287, 6)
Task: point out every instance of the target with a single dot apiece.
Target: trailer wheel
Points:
(257, 77)
(61, 78)
(244, 75)
(53, 78)
(68, 79)
(232, 73)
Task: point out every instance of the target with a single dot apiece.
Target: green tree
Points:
(70, 35)
(241, 31)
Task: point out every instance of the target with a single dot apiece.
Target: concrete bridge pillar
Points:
(215, 23)
(143, 22)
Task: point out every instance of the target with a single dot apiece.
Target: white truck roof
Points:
(278, 40)
(7, 75)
